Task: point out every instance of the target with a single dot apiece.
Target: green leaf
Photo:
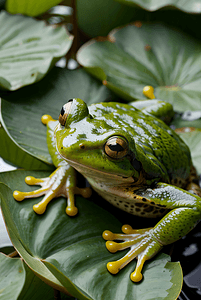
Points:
(193, 6)
(14, 153)
(34, 263)
(192, 137)
(25, 140)
(30, 8)
(28, 49)
(73, 251)
(179, 122)
(138, 55)
(161, 280)
(17, 281)
(12, 277)
(98, 17)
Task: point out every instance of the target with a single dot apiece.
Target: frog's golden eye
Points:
(64, 112)
(116, 147)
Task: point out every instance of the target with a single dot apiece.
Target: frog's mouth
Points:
(92, 173)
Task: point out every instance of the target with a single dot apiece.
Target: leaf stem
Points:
(13, 254)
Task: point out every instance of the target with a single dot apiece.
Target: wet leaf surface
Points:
(141, 54)
(74, 251)
(36, 49)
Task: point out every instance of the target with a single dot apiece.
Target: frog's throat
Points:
(92, 173)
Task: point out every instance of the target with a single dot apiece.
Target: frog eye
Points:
(116, 147)
(65, 112)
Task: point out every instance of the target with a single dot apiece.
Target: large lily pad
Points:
(138, 55)
(28, 49)
(25, 140)
(193, 6)
(30, 8)
(71, 250)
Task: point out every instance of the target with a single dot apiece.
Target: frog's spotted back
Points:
(155, 141)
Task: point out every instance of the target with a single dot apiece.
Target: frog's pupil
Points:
(62, 111)
(116, 148)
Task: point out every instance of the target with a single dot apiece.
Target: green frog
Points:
(133, 160)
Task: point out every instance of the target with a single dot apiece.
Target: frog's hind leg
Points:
(153, 106)
(139, 242)
(62, 182)
(184, 212)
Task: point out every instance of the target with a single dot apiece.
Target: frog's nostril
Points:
(82, 146)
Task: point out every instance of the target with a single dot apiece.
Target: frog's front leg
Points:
(185, 212)
(62, 182)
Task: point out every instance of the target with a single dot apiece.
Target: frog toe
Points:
(84, 192)
(60, 183)
(142, 246)
(20, 196)
(71, 211)
(40, 207)
(30, 180)
(45, 119)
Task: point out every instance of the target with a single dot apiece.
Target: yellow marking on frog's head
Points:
(148, 91)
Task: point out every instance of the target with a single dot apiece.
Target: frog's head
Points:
(94, 144)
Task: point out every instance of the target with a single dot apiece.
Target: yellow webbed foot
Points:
(62, 182)
(44, 183)
(141, 244)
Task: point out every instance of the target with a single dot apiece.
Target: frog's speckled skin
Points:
(138, 182)
(162, 154)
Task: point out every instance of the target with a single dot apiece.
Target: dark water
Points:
(188, 252)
